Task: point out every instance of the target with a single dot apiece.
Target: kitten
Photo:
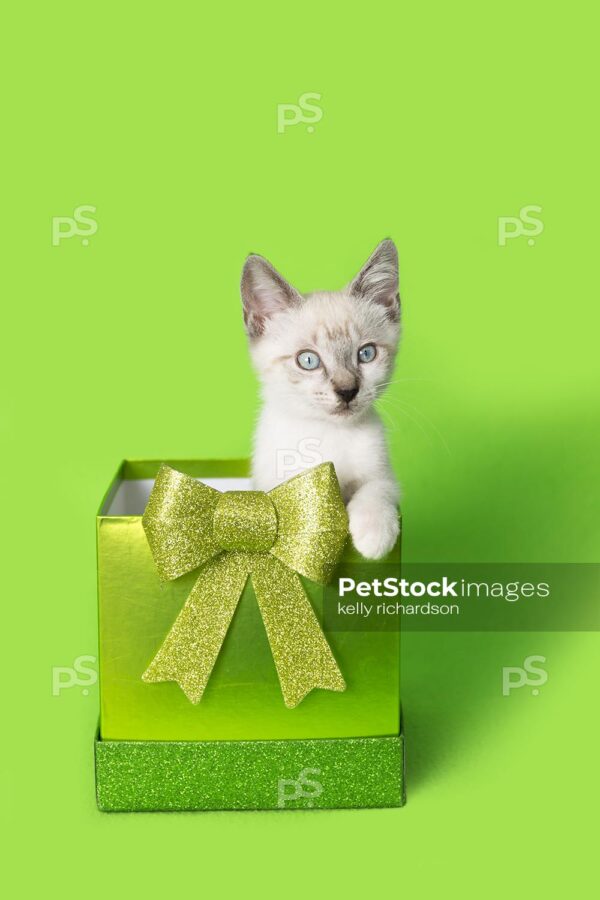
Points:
(322, 359)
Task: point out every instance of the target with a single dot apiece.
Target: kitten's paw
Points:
(374, 530)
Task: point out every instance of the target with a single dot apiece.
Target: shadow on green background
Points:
(519, 490)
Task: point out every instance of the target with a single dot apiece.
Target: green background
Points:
(437, 119)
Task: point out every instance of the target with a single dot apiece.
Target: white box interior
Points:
(131, 497)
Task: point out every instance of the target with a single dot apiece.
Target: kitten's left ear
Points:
(377, 281)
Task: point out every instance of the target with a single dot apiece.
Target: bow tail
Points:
(302, 656)
(191, 647)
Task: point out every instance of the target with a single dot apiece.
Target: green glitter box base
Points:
(341, 773)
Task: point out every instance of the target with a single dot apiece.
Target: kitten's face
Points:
(326, 354)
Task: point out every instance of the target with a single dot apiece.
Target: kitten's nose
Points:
(346, 394)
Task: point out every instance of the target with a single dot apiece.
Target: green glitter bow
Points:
(299, 527)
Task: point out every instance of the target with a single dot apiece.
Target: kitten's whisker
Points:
(412, 419)
(393, 426)
(401, 380)
(425, 418)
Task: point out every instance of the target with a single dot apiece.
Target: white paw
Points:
(374, 530)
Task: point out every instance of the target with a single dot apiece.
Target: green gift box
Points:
(238, 745)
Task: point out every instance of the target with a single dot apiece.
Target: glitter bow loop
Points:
(299, 528)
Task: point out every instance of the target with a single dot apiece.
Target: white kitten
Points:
(322, 359)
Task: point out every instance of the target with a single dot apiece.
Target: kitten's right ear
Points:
(377, 281)
(264, 294)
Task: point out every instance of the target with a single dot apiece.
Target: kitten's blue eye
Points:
(308, 359)
(367, 353)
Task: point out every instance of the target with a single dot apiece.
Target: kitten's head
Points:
(324, 354)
